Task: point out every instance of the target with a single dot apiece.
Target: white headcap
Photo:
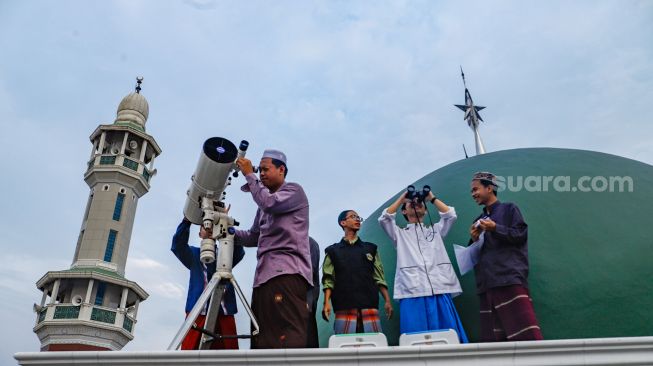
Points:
(274, 154)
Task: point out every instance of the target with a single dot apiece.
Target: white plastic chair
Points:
(358, 340)
(429, 338)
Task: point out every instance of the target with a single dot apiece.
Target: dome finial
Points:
(139, 80)
(133, 108)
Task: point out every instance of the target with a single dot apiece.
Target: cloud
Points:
(168, 289)
(19, 273)
(202, 4)
(144, 264)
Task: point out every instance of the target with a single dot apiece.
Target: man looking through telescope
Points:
(283, 271)
(200, 274)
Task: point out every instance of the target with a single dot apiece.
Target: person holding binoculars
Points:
(425, 281)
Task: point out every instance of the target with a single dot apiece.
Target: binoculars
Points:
(417, 196)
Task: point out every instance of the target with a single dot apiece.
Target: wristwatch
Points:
(433, 200)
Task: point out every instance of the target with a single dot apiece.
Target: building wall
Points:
(97, 225)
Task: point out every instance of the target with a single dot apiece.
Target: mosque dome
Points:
(133, 108)
(589, 241)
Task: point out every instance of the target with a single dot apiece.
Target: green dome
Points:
(591, 253)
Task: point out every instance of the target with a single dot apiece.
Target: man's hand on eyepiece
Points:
(245, 165)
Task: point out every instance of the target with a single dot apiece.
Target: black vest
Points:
(354, 286)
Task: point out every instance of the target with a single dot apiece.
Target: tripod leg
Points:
(197, 309)
(212, 315)
(247, 307)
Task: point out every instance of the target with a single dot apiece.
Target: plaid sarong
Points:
(357, 321)
(507, 315)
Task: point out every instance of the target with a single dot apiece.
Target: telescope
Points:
(205, 206)
(211, 176)
(204, 202)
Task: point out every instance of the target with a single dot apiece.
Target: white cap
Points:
(274, 154)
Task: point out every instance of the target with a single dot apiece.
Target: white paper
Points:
(467, 257)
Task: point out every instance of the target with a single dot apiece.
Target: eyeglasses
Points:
(355, 218)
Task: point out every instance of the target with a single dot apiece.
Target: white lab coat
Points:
(423, 267)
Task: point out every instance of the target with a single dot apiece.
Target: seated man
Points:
(200, 275)
(352, 276)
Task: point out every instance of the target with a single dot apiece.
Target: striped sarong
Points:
(357, 321)
(507, 315)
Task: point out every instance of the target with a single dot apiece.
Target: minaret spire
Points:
(139, 81)
(472, 116)
(463, 75)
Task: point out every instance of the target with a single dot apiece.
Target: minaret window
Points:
(111, 241)
(117, 210)
(130, 164)
(99, 295)
(107, 160)
(146, 174)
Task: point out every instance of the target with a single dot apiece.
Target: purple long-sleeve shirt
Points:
(280, 230)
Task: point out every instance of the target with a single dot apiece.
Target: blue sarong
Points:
(419, 314)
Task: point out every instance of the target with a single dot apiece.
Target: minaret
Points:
(92, 306)
(472, 116)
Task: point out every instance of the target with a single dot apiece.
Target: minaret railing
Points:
(124, 161)
(67, 311)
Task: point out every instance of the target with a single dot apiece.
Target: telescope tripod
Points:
(213, 293)
(222, 229)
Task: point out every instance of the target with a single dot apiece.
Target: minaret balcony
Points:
(105, 166)
(84, 322)
(121, 160)
(85, 314)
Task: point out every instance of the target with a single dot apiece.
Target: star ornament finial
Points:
(139, 81)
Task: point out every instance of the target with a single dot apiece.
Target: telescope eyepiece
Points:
(243, 145)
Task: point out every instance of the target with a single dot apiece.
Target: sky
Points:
(358, 94)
